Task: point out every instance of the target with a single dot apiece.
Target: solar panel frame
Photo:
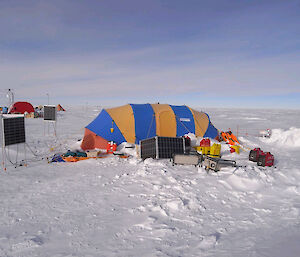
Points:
(148, 148)
(162, 147)
(50, 113)
(168, 146)
(13, 129)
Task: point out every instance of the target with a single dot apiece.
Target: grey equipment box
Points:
(187, 159)
(216, 164)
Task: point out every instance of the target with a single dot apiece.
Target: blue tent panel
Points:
(102, 125)
(211, 131)
(184, 120)
(145, 124)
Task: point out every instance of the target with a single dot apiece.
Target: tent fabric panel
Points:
(201, 122)
(102, 125)
(92, 141)
(144, 118)
(123, 117)
(165, 120)
(211, 131)
(184, 119)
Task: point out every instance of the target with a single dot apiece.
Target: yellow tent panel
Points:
(124, 119)
(165, 120)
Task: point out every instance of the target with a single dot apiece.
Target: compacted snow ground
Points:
(127, 207)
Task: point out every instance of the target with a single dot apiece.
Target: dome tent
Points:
(59, 108)
(134, 122)
(21, 107)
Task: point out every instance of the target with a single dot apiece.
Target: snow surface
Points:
(126, 207)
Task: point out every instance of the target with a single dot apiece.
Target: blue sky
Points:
(200, 53)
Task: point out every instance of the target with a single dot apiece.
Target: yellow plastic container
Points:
(215, 150)
(198, 148)
(236, 148)
(203, 149)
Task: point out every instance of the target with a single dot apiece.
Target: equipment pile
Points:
(261, 158)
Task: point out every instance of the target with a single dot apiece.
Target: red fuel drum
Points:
(254, 154)
(265, 159)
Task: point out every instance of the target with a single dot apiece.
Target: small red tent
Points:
(21, 107)
(60, 108)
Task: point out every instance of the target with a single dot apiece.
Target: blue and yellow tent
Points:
(134, 122)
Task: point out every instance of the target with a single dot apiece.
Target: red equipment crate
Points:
(111, 147)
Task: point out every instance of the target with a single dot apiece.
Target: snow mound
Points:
(243, 184)
(288, 138)
(127, 148)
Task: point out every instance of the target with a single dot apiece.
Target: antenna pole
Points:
(25, 157)
(2, 142)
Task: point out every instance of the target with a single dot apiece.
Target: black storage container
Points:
(164, 147)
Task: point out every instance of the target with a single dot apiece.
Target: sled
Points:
(230, 138)
(76, 158)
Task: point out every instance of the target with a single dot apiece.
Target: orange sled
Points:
(230, 138)
(76, 159)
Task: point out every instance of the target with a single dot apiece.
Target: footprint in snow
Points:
(209, 241)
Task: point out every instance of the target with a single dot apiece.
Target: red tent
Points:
(21, 107)
(60, 108)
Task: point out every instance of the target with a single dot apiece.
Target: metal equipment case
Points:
(187, 159)
(216, 164)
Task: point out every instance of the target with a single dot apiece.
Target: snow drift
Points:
(127, 207)
(287, 138)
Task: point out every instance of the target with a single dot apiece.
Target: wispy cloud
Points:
(135, 73)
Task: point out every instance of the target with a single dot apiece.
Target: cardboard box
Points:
(92, 153)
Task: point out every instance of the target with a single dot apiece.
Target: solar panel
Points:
(163, 147)
(14, 130)
(148, 148)
(49, 113)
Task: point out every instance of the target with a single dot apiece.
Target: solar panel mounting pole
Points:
(25, 156)
(25, 159)
(2, 143)
(54, 127)
(44, 110)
